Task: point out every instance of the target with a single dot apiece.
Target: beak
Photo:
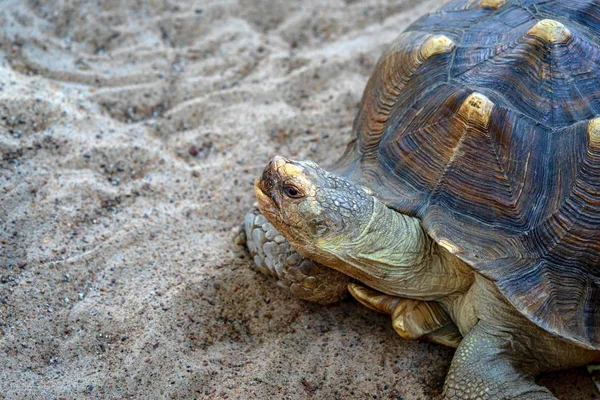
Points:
(265, 187)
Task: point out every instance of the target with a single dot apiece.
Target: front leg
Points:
(488, 366)
(274, 257)
(411, 319)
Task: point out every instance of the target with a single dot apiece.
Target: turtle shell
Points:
(481, 120)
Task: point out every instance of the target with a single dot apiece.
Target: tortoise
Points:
(467, 204)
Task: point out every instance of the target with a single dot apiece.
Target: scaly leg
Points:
(274, 257)
(488, 366)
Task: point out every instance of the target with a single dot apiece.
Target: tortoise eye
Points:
(292, 191)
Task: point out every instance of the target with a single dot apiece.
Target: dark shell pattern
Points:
(482, 120)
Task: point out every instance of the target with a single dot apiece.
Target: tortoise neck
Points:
(394, 255)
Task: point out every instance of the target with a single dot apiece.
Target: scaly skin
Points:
(330, 220)
(503, 351)
(274, 257)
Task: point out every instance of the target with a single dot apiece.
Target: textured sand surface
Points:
(130, 134)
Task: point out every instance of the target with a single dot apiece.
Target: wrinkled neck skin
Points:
(390, 252)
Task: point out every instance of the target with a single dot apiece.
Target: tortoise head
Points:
(309, 205)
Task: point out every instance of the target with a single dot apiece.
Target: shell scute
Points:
(493, 4)
(403, 72)
(582, 15)
(550, 31)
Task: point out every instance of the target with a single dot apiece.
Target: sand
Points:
(130, 134)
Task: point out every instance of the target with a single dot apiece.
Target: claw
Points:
(379, 302)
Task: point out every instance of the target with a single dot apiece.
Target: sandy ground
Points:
(130, 134)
